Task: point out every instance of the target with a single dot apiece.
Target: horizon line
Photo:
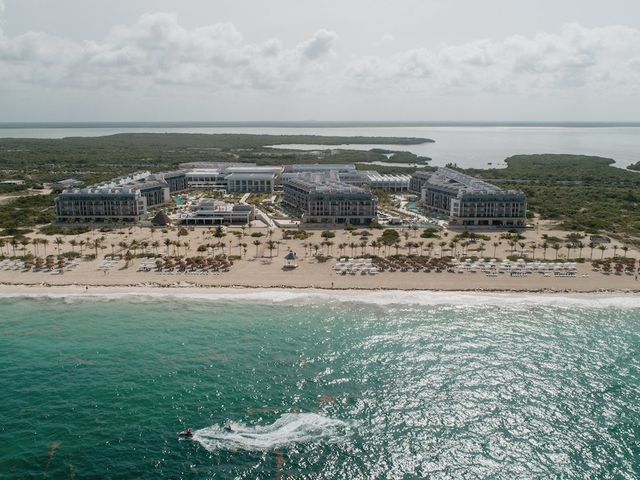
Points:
(308, 123)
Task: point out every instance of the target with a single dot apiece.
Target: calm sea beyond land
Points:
(320, 385)
(469, 145)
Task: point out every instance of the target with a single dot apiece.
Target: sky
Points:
(287, 60)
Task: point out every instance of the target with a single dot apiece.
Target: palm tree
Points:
(591, 246)
(257, 243)
(352, 246)
(522, 245)
(316, 247)
(155, 245)
(97, 243)
(495, 248)
(580, 248)
(625, 249)
(556, 247)
(59, 241)
(14, 244)
(421, 245)
(329, 245)
(568, 246)
(363, 246)
(271, 245)
(602, 248)
(615, 250)
(24, 242)
(167, 243)
(45, 242)
(34, 241)
(396, 244)
(545, 245)
(442, 245)
(127, 258)
(430, 246)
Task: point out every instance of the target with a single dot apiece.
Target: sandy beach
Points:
(263, 268)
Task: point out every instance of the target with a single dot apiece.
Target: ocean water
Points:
(470, 146)
(428, 385)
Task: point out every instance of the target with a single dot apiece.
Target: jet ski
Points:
(188, 433)
(227, 428)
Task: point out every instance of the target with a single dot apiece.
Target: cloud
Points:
(157, 50)
(319, 45)
(575, 57)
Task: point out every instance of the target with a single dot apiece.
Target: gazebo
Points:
(290, 260)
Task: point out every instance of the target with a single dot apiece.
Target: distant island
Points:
(634, 166)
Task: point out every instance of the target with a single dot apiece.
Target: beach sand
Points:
(257, 270)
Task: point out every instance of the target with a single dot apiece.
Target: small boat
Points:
(188, 433)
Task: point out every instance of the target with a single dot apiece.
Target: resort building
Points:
(214, 212)
(324, 200)
(233, 177)
(347, 173)
(177, 181)
(418, 180)
(100, 204)
(206, 178)
(124, 199)
(468, 201)
(390, 183)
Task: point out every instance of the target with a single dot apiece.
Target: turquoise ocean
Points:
(371, 385)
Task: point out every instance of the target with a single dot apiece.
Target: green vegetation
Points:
(93, 159)
(634, 166)
(389, 236)
(27, 211)
(56, 230)
(296, 234)
(581, 192)
(430, 233)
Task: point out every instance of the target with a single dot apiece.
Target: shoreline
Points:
(187, 288)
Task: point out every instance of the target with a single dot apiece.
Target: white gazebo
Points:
(290, 260)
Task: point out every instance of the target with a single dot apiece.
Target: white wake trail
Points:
(289, 429)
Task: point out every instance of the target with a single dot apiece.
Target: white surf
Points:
(289, 429)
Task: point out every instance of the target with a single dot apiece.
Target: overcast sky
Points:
(127, 60)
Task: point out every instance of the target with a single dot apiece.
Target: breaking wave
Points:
(376, 297)
(289, 429)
